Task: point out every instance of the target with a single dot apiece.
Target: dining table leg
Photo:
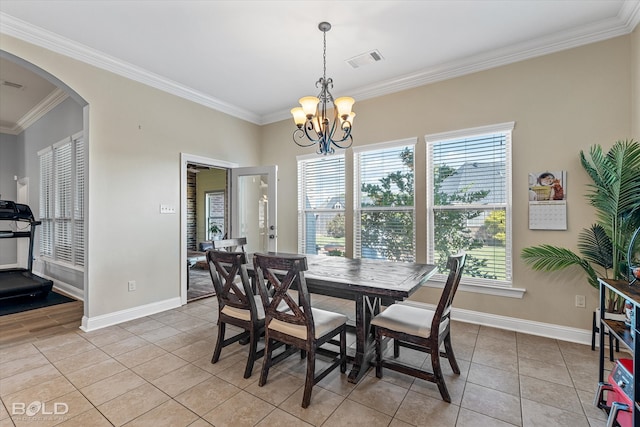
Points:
(366, 308)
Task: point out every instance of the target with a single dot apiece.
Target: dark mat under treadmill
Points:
(20, 304)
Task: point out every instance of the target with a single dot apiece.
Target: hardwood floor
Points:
(29, 326)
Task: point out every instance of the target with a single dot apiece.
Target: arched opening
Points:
(66, 117)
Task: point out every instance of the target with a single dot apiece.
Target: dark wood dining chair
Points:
(421, 329)
(230, 245)
(292, 321)
(237, 304)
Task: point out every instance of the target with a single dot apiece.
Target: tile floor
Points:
(156, 371)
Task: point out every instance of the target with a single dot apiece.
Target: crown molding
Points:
(33, 115)
(25, 31)
(626, 21)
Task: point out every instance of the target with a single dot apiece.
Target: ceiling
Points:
(254, 59)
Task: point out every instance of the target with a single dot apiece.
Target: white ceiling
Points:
(254, 59)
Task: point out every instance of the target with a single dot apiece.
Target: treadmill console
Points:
(11, 211)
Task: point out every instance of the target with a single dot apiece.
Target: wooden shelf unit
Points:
(619, 330)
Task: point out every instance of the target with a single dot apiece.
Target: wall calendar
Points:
(547, 200)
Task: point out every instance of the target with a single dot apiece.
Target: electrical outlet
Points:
(167, 209)
(581, 301)
(132, 285)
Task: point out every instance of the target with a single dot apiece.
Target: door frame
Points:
(186, 159)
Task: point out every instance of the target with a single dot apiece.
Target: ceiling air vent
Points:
(365, 58)
(11, 84)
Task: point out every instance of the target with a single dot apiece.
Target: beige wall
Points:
(561, 103)
(136, 134)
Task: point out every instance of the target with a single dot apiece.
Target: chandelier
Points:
(322, 120)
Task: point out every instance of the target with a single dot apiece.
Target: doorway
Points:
(250, 209)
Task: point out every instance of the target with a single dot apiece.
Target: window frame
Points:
(357, 197)
(491, 286)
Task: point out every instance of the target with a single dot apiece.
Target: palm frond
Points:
(595, 246)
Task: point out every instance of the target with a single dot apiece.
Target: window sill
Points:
(62, 264)
(501, 291)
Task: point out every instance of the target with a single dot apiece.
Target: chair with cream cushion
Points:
(421, 329)
(300, 326)
(237, 304)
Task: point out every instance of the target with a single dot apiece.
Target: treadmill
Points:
(20, 282)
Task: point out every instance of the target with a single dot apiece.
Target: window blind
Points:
(384, 191)
(46, 196)
(321, 205)
(469, 203)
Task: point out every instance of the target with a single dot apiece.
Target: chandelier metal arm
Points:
(317, 127)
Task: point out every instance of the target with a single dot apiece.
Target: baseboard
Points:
(64, 287)
(548, 330)
(69, 290)
(98, 322)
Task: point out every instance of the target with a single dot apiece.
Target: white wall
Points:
(8, 169)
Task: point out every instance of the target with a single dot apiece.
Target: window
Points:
(215, 205)
(469, 201)
(321, 200)
(384, 201)
(62, 182)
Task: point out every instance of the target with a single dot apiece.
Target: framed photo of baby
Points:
(547, 185)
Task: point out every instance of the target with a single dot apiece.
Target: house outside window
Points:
(321, 205)
(469, 201)
(384, 217)
(62, 191)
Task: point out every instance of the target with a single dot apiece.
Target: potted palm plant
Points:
(615, 195)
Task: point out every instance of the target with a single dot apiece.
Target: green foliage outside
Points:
(335, 227)
(392, 233)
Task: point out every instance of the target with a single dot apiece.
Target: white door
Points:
(253, 207)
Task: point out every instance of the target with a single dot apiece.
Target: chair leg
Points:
(266, 362)
(396, 348)
(219, 342)
(253, 347)
(378, 348)
(437, 372)
(450, 356)
(309, 381)
(343, 350)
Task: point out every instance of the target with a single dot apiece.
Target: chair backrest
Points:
(230, 245)
(224, 268)
(455, 264)
(275, 275)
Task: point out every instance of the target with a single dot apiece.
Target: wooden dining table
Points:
(369, 283)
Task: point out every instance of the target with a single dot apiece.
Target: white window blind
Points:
(62, 191)
(78, 208)
(469, 201)
(321, 205)
(384, 201)
(46, 197)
